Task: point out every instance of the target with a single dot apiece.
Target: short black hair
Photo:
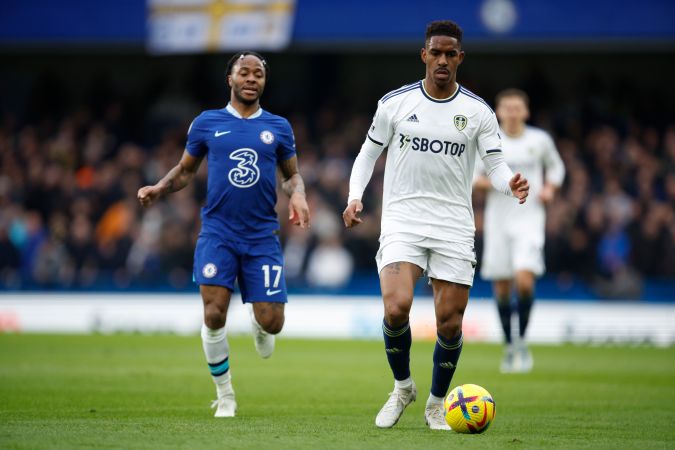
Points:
(443, 28)
(237, 56)
(513, 92)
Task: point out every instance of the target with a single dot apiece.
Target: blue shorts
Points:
(257, 266)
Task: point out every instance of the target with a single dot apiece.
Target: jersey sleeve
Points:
(382, 128)
(553, 164)
(286, 147)
(479, 168)
(196, 138)
(488, 139)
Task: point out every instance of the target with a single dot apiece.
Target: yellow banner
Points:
(195, 26)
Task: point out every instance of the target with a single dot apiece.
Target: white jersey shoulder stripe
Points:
(405, 86)
(470, 94)
(400, 91)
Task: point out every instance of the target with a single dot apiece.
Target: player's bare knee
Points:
(524, 289)
(272, 324)
(450, 325)
(525, 292)
(270, 316)
(502, 290)
(214, 318)
(396, 311)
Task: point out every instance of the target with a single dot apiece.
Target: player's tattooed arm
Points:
(293, 185)
(175, 180)
(291, 180)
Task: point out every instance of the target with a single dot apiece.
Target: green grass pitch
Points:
(137, 391)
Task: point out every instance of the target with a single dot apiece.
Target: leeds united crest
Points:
(460, 122)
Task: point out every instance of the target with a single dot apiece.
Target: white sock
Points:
(217, 351)
(434, 401)
(403, 384)
(224, 385)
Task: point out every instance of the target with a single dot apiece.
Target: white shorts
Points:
(505, 254)
(441, 260)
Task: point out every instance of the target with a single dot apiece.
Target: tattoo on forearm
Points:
(176, 179)
(294, 184)
(292, 181)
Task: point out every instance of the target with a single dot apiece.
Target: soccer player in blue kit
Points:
(244, 146)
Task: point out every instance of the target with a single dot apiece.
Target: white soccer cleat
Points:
(264, 341)
(508, 360)
(435, 417)
(225, 405)
(393, 408)
(524, 361)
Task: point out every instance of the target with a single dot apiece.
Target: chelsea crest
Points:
(267, 137)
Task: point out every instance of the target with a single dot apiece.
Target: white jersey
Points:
(432, 147)
(532, 153)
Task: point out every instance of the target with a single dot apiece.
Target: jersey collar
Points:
(236, 114)
(439, 100)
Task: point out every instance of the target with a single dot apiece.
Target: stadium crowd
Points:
(69, 217)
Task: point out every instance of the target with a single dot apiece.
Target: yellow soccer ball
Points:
(469, 408)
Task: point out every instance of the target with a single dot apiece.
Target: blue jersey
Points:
(242, 156)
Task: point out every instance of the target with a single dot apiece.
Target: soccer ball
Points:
(469, 408)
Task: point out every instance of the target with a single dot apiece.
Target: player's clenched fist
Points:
(148, 194)
(520, 187)
(350, 216)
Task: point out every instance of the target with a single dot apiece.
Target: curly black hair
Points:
(444, 28)
(237, 56)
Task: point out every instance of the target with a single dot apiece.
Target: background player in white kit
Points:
(514, 235)
(433, 130)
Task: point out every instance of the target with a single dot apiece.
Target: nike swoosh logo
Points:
(273, 292)
(220, 133)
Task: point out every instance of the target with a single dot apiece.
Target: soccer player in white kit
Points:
(432, 129)
(514, 235)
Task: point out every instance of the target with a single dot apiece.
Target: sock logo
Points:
(447, 365)
(393, 350)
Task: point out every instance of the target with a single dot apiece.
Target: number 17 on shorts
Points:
(262, 279)
(273, 288)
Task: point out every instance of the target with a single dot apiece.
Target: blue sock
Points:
(504, 308)
(397, 345)
(446, 355)
(524, 307)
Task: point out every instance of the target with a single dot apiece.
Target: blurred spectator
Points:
(69, 216)
(330, 265)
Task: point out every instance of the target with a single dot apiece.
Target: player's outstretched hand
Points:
(148, 194)
(520, 187)
(350, 216)
(298, 211)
